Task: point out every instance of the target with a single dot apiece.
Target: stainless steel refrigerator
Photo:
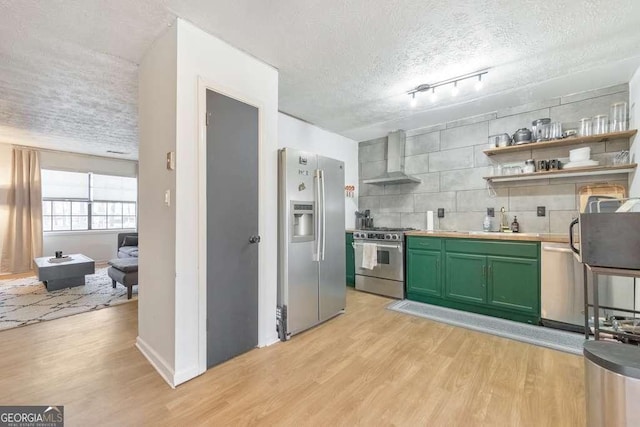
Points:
(311, 228)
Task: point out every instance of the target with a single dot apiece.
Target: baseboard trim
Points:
(186, 374)
(156, 361)
(269, 341)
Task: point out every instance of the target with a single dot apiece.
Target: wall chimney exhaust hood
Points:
(395, 162)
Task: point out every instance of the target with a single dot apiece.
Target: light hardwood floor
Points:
(370, 367)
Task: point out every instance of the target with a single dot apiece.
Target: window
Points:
(76, 201)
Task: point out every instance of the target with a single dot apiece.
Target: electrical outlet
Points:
(440, 212)
(491, 212)
(542, 211)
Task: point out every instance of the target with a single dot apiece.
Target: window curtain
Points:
(23, 237)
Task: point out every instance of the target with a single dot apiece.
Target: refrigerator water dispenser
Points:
(302, 220)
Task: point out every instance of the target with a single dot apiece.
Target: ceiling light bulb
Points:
(434, 97)
(479, 84)
(454, 91)
(414, 100)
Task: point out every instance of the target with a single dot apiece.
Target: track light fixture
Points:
(479, 83)
(454, 90)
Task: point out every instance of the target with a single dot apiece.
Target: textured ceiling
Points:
(346, 65)
(68, 73)
(68, 67)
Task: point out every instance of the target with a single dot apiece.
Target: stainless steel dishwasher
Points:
(562, 289)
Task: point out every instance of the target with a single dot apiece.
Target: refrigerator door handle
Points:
(316, 255)
(324, 214)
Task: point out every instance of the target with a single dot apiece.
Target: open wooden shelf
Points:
(561, 142)
(565, 173)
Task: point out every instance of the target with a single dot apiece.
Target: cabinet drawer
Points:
(431, 243)
(502, 248)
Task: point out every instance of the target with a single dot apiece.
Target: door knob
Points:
(254, 239)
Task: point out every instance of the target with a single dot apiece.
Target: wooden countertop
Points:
(530, 237)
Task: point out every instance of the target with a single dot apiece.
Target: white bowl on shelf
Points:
(581, 164)
(580, 154)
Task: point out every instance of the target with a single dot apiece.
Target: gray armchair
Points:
(128, 245)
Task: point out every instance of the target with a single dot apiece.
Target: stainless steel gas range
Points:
(386, 277)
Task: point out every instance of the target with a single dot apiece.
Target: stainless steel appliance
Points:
(607, 236)
(387, 276)
(311, 247)
(540, 129)
(562, 289)
(395, 162)
(522, 136)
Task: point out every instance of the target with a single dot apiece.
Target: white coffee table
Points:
(65, 274)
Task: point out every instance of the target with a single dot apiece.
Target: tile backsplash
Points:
(450, 161)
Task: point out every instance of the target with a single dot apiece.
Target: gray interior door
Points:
(332, 290)
(232, 220)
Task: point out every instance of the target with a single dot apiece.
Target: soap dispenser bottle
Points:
(515, 227)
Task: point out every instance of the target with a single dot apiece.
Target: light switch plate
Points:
(171, 160)
(491, 212)
(542, 211)
(440, 212)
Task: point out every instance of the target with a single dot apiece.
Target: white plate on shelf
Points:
(581, 164)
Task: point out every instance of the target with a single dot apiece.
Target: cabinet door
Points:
(466, 277)
(513, 283)
(350, 261)
(423, 272)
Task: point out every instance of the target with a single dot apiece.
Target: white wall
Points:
(98, 245)
(157, 222)
(236, 74)
(634, 123)
(297, 134)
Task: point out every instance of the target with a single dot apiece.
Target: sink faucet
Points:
(504, 224)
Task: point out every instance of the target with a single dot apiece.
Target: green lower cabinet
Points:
(466, 277)
(350, 261)
(495, 278)
(424, 277)
(513, 284)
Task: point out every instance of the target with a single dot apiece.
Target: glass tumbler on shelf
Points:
(529, 166)
(600, 124)
(622, 158)
(555, 130)
(619, 117)
(585, 127)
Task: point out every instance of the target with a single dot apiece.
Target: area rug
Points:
(26, 301)
(568, 342)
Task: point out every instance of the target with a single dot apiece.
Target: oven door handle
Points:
(399, 247)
